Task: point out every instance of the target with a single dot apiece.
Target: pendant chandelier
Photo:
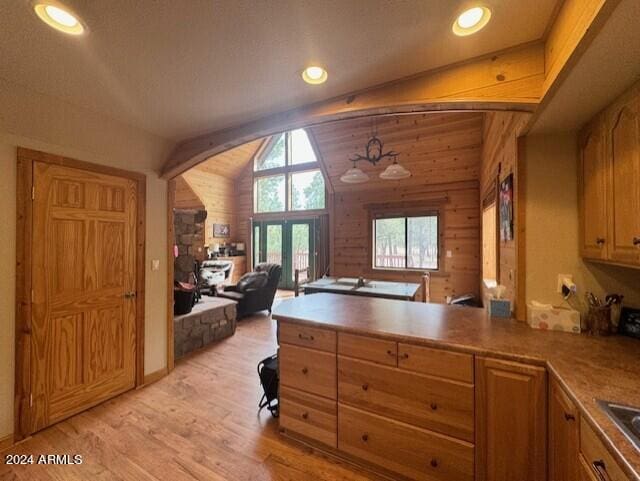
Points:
(374, 153)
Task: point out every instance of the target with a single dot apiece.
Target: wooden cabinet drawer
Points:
(311, 416)
(412, 452)
(308, 370)
(432, 403)
(368, 348)
(585, 472)
(436, 362)
(313, 337)
(596, 455)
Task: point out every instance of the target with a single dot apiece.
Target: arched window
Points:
(286, 175)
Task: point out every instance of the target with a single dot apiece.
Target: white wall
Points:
(552, 227)
(31, 120)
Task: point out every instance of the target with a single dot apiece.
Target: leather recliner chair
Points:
(259, 299)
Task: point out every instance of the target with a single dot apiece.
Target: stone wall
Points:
(189, 237)
(210, 321)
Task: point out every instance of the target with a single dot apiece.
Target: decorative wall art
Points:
(221, 230)
(506, 209)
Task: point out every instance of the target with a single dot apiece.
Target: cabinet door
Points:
(511, 424)
(564, 436)
(624, 148)
(593, 193)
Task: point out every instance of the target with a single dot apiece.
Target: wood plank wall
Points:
(185, 197)
(442, 151)
(499, 159)
(460, 235)
(218, 196)
(244, 208)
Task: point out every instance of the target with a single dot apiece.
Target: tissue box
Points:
(555, 318)
(499, 308)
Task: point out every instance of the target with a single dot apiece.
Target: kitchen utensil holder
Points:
(599, 320)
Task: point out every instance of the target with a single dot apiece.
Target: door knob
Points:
(129, 295)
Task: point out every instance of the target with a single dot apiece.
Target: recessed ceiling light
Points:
(470, 21)
(58, 17)
(314, 75)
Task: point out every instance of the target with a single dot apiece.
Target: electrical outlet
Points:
(155, 265)
(560, 278)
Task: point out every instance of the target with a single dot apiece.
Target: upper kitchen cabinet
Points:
(624, 149)
(594, 175)
(609, 150)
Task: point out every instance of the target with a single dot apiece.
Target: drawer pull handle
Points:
(365, 386)
(636, 241)
(304, 337)
(365, 437)
(434, 463)
(305, 370)
(434, 406)
(405, 356)
(601, 470)
(569, 417)
(390, 352)
(600, 240)
(305, 415)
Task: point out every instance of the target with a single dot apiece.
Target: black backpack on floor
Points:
(268, 373)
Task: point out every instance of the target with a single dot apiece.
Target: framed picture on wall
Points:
(221, 230)
(506, 209)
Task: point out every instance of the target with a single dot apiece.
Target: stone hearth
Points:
(211, 320)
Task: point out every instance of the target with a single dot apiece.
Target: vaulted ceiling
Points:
(179, 68)
(435, 147)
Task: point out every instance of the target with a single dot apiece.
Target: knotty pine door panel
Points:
(84, 265)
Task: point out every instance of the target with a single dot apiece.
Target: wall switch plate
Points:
(449, 254)
(560, 278)
(155, 265)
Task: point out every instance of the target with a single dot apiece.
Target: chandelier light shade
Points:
(395, 172)
(374, 153)
(354, 176)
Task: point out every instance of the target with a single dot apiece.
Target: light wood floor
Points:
(200, 422)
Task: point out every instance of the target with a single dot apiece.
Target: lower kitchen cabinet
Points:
(401, 448)
(511, 421)
(564, 436)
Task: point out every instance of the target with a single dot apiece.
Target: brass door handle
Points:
(600, 240)
(305, 415)
(434, 463)
(304, 337)
(569, 417)
(365, 386)
(305, 370)
(636, 241)
(129, 295)
(433, 406)
(365, 437)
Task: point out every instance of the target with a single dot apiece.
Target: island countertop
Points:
(589, 368)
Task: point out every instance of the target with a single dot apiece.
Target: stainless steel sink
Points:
(627, 418)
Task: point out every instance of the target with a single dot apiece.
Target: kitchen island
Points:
(433, 392)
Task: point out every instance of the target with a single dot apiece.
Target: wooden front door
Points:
(84, 281)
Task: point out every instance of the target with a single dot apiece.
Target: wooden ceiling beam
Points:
(508, 80)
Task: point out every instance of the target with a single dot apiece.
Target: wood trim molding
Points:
(155, 376)
(24, 238)
(171, 199)
(506, 80)
(6, 442)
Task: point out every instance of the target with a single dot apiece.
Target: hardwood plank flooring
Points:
(198, 423)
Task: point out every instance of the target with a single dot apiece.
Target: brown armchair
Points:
(254, 299)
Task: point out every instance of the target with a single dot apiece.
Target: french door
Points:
(290, 243)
